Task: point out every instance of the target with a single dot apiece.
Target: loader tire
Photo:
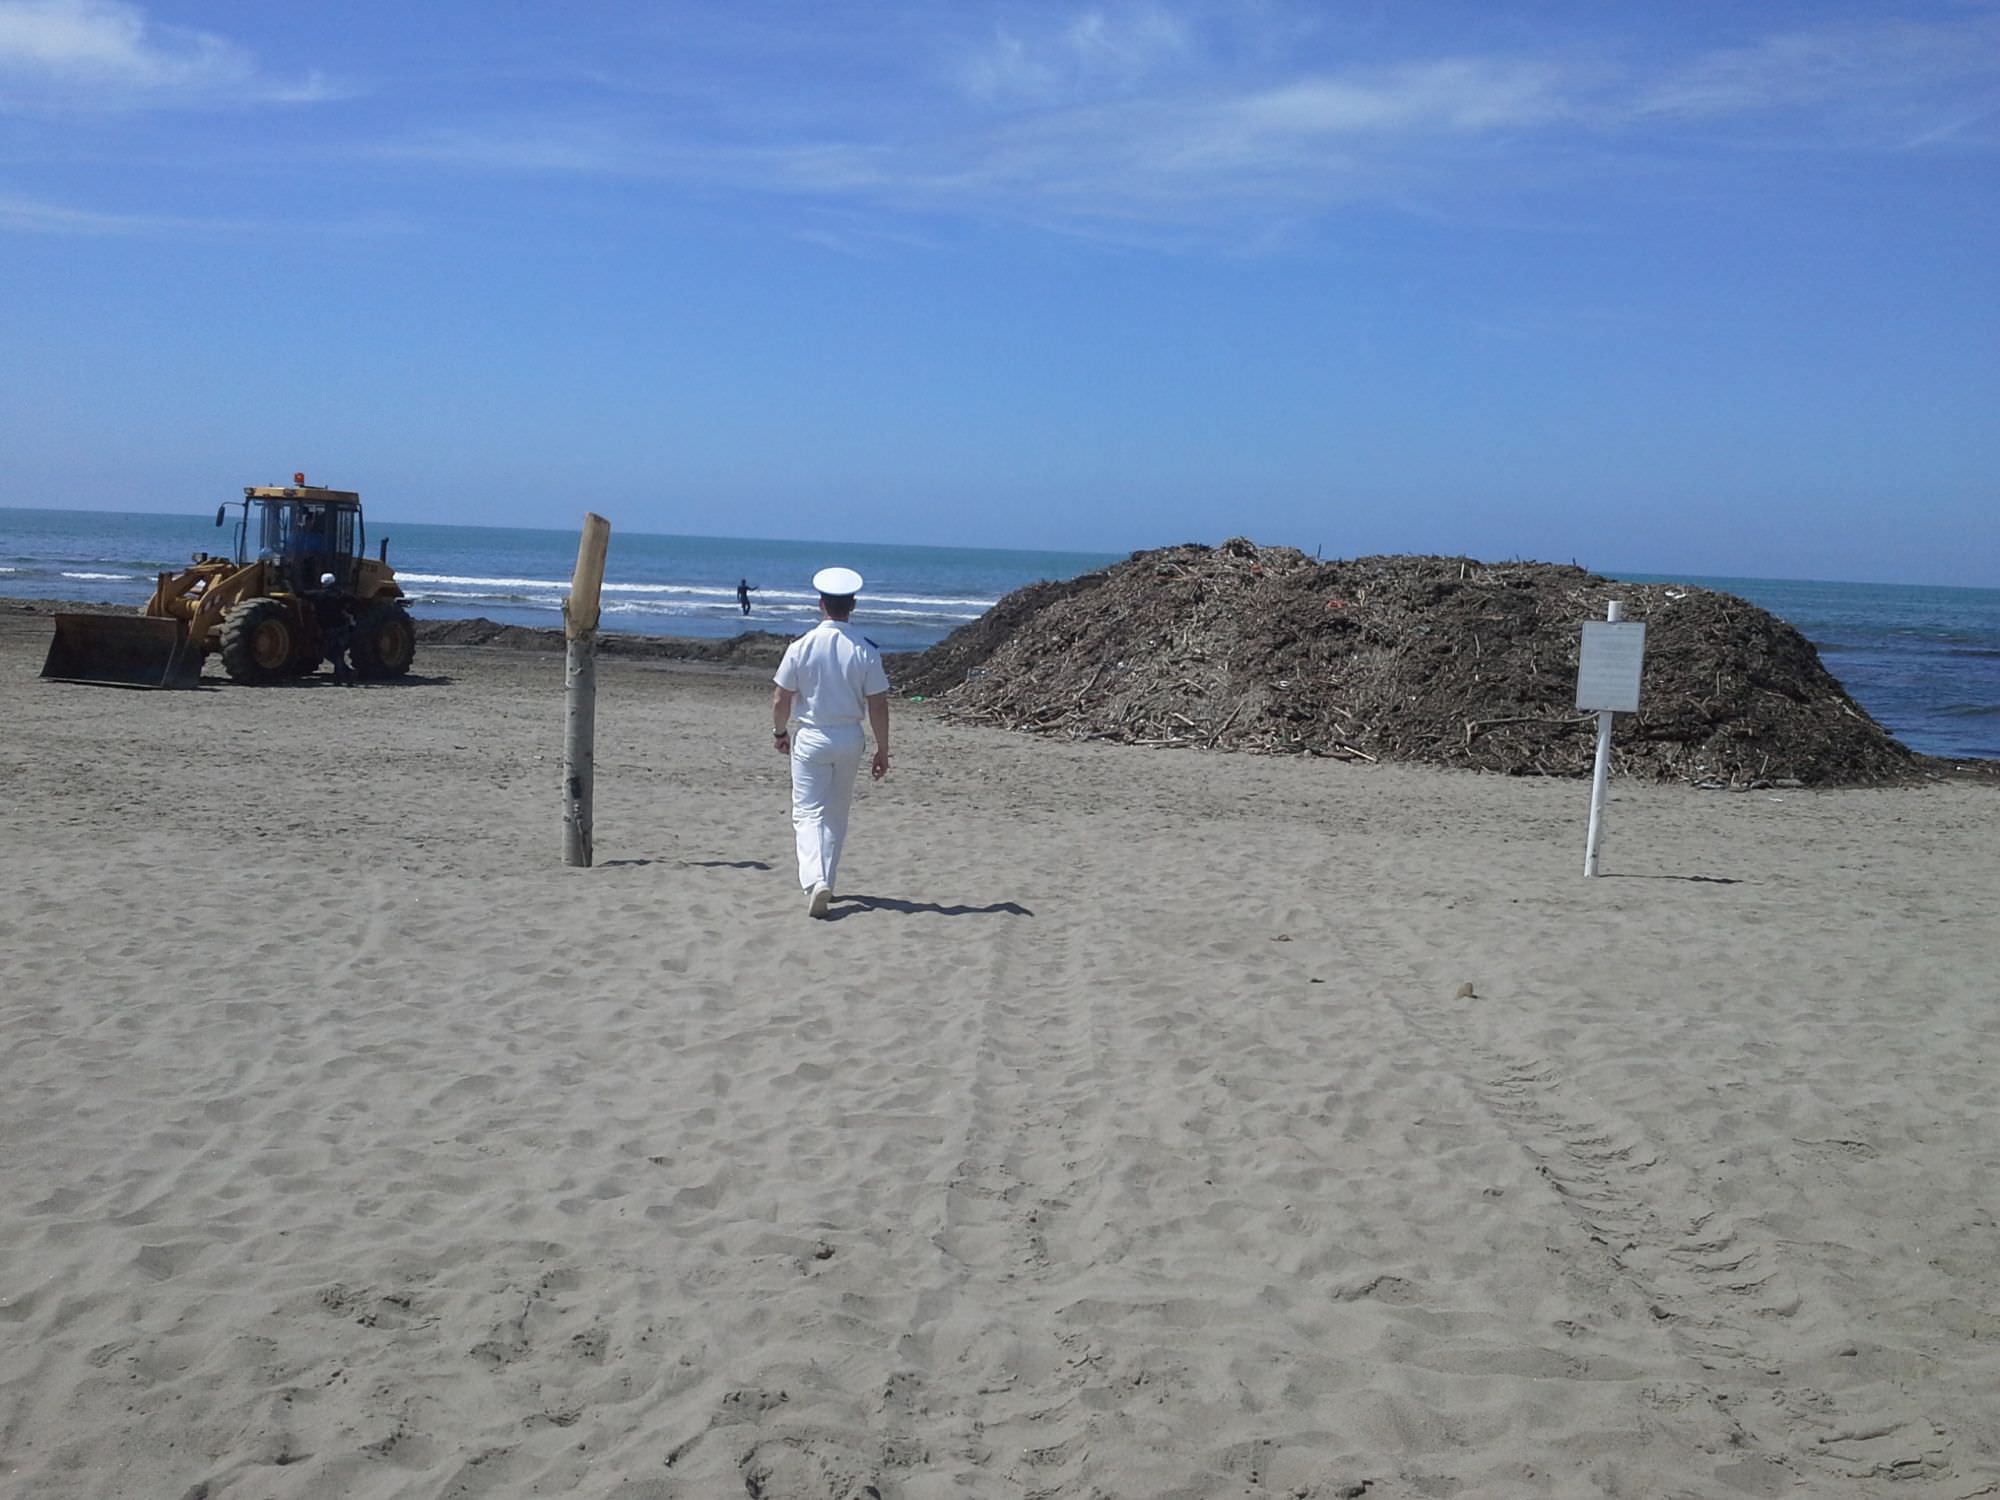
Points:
(306, 657)
(259, 642)
(385, 641)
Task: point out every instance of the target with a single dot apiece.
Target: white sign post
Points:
(1607, 680)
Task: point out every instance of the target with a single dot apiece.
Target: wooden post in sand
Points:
(580, 688)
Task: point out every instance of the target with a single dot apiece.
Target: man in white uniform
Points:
(834, 678)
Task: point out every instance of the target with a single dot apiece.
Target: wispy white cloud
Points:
(1287, 127)
(31, 216)
(108, 55)
(1973, 128)
(1090, 51)
(23, 215)
(1176, 137)
(1196, 157)
(535, 146)
(1855, 66)
(1234, 120)
(1176, 157)
(860, 236)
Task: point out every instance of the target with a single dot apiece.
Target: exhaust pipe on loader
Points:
(123, 650)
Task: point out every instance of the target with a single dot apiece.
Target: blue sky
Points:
(1695, 287)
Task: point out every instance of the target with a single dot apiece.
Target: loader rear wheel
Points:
(259, 641)
(385, 641)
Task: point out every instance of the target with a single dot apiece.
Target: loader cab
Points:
(302, 532)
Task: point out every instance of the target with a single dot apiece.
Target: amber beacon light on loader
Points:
(260, 610)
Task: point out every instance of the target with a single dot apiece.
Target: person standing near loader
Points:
(335, 614)
(832, 677)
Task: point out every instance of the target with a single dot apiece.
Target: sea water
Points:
(658, 585)
(1924, 661)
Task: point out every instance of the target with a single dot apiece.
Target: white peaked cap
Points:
(837, 581)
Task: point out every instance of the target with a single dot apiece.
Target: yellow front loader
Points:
(264, 613)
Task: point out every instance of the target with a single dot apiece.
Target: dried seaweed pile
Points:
(967, 648)
(1444, 661)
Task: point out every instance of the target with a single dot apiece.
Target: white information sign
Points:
(1608, 668)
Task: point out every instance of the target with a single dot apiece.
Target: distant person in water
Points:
(743, 594)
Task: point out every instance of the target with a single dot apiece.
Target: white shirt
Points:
(834, 671)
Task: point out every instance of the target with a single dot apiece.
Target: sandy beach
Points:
(1144, 1124)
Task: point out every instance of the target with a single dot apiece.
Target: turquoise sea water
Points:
(1924, 661)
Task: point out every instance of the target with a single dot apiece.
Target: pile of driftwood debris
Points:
(1438, 660)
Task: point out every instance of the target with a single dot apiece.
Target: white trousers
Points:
(823, 767)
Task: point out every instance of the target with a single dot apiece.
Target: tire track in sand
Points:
(1008, 1249)
(1721, 1288)
(985, 1380)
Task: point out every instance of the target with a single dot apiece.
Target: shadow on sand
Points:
(317, 680)
(854, 906)
(1697, 879)
(219, 684)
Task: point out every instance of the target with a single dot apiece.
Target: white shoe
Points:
(817, 900)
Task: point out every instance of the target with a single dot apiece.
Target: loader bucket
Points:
(126, 650)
